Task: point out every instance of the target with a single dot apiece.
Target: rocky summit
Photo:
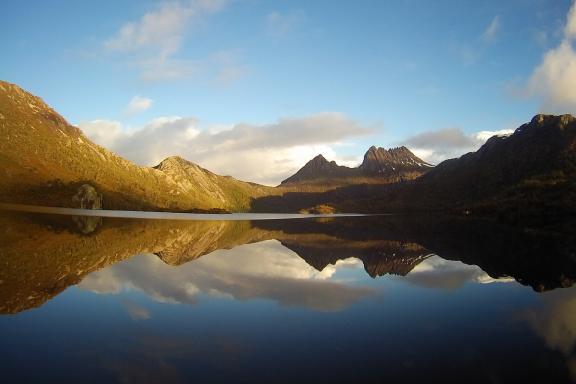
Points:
(319, 168)
(379, 161)
(380, 166)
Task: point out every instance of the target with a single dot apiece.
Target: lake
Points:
(397, 298)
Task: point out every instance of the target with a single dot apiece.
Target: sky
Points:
(256, 88)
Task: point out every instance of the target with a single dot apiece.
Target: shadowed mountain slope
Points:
(380, 166)
(527, 178)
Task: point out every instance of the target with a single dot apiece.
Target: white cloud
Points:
(103, 132)
(491, 31)
(570, 29)
(138, 104)
(260, 153)
(152, 42)
(161, 29)
(437, 146)
(482, 136)
(554, 80)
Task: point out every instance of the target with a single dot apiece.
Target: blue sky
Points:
(391, 70)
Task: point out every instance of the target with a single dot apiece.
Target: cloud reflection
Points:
(265, 270)
(435, 272)
(555, 322)
(135, 310)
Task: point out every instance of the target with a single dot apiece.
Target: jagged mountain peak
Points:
(380, 160)
(542, 122)
(544, 119)
(319, 168)
(374, 149)
(318, 159)
(380, 165)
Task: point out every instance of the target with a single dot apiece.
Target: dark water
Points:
(350, 299)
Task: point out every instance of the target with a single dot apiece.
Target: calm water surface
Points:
(347, 299)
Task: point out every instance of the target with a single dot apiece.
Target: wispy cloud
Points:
(152, 43)
(490, 33)
(269, 152)
(138, 104)
(161, 30)
(471, 52)
(135, 310)
(554, 80)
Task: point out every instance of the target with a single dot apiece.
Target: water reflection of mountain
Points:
(542, 260)
(41, 255)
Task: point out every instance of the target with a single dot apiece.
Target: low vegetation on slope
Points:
(44, 161)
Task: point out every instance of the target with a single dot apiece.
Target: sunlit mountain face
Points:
(140, 300)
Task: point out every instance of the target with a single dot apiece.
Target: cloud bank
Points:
(260, 153)
(438, 273)
(439, 145)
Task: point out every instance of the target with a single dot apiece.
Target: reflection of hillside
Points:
(542, 260)
(41, 255)
(380, 257)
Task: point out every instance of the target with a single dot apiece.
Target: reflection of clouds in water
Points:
(135, 310)
(263, 270)
(555, 322)
(436, 272)
(267, 258)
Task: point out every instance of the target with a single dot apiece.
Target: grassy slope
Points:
(44, 159)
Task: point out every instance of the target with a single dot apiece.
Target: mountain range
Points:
(380, 166)
(46, 161)
(526, 178)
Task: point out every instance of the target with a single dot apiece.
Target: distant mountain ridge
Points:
(379, 166)
(529, 176)
(46, 161)
(526, 178)
(542, 149)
